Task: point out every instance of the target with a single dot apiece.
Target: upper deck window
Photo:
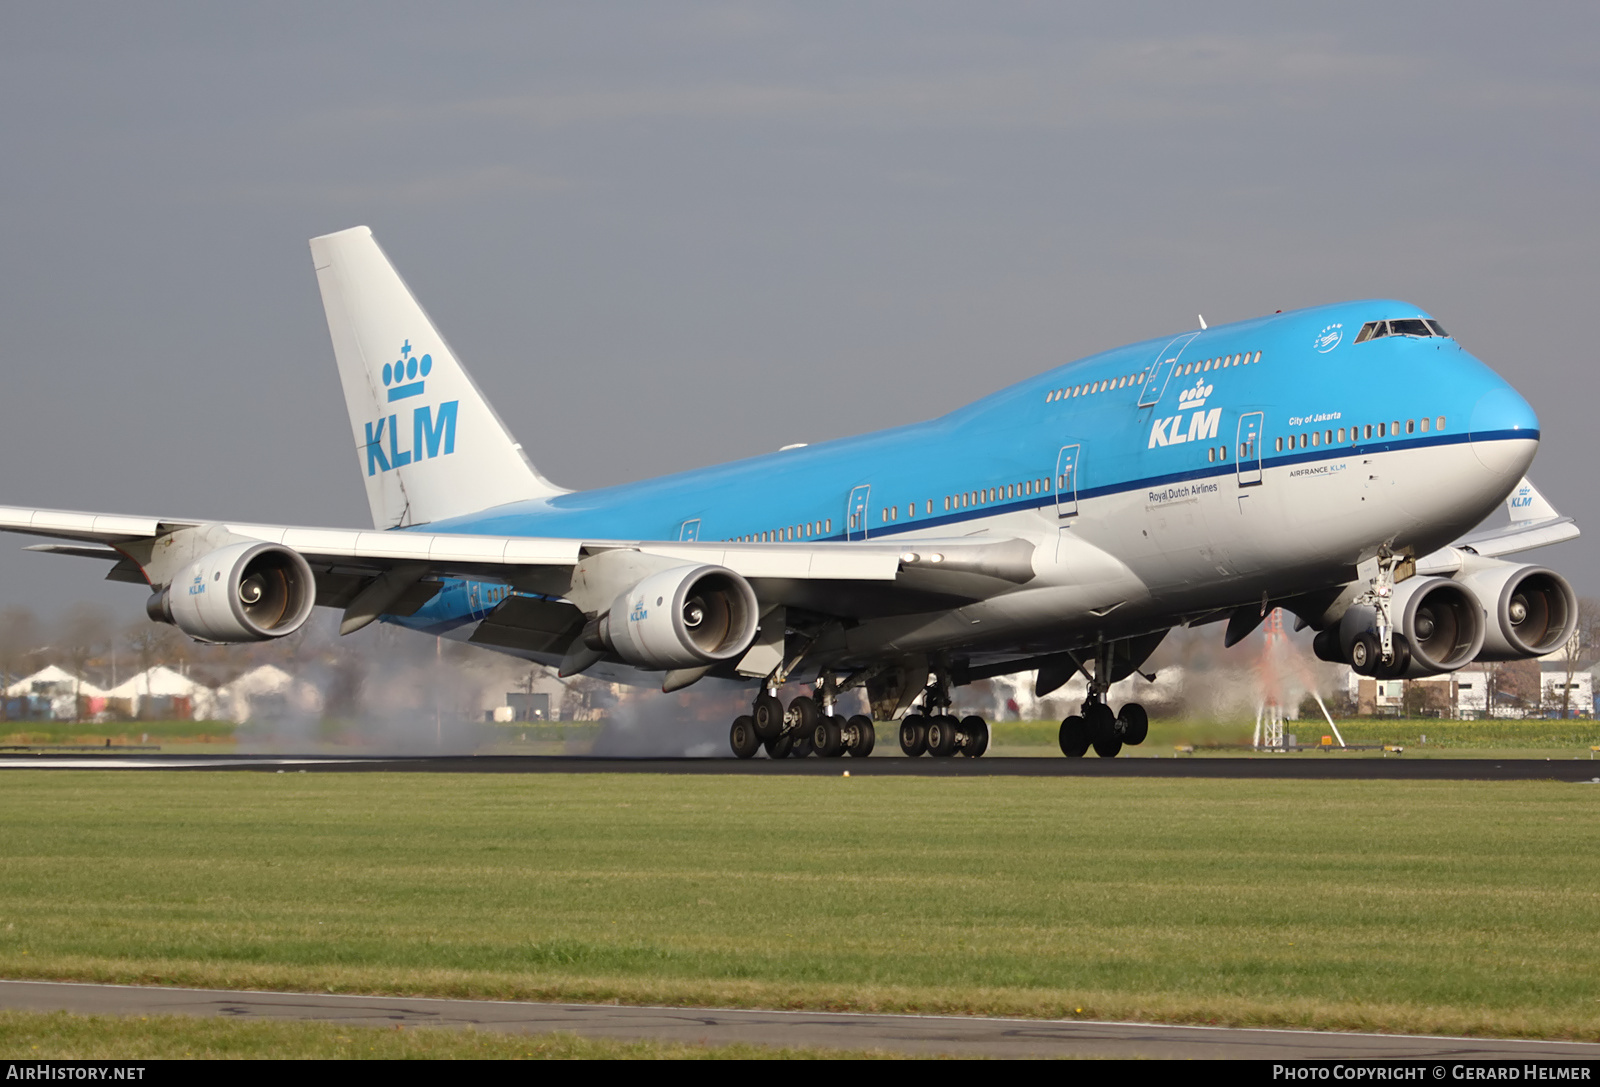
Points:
(1410, 326)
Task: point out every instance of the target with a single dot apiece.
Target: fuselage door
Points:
(855, 521)
(1160, 371)
(1067, 481)
(690, 530)
(1249, 450)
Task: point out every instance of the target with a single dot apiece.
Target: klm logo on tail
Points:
(432, 435)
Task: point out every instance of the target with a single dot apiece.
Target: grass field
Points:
(1407, 906)
(60, 1036)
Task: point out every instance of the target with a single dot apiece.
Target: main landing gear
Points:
(804, 727)
(936, 731)
(1098, 727)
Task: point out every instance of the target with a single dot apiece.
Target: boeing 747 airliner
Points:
(1327, 461)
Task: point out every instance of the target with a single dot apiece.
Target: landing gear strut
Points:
(1097, 726)
(805, 726)
(934, 730)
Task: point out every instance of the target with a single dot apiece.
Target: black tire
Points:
(914, 735)
(1074, 737)
(1133, 724)
(802, 716)
(1103, 730)
(780, 747)
(767, 716)
(803, 747)
(942, 736)
(865, 735)
(828, 737)
(743, 739)
(1396, 668)
(1365, 654)
(974, 737)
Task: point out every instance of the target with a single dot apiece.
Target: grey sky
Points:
(667, 235)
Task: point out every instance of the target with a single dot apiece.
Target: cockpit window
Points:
(1410, 326)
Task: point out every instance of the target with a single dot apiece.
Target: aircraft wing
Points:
(826, 577)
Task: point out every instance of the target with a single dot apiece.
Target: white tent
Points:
(268, 690)
(60, 686)
(163, 682)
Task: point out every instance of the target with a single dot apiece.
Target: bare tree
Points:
(21, 637)
(85, 633)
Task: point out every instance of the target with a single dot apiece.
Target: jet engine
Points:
(1438, 627)
(246, 592)
(683, 617)
(1532, 611)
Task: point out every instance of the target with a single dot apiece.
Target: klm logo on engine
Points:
(432, 435)
(638, 614)
(1203, 425)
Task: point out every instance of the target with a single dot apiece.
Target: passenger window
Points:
(1222, 452)
(1395, 428)
(1280, 445)
(1341, 435)
(1211, 455)
(1257, 358)
(1381, 432)
(1425, 426)
(1438, 423)
(1411, 426)
(1314, 440)
(1327, 437)
(1369, 432)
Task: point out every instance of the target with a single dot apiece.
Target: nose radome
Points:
(1500, 417)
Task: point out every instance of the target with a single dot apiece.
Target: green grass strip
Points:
(1448, 907)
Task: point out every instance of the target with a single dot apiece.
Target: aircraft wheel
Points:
(1365, 654)
(863, 735)
(828, 737)
(1074, 737)
(914, 735)
(767, 717)
(974, 737)
(1397, 667)
(781, 746)
(803, 747)
(802, 715)
(743, 739)
(1103, 730)
(942, 736)
(1133, 724)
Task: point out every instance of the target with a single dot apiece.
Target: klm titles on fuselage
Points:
(431, 435)
(1203, 425)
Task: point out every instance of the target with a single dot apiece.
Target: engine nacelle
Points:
(1532, 611)
(685, 617)
(246, 592)
(1440, 621)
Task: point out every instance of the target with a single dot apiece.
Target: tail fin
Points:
(1528, 506)
(429, 445)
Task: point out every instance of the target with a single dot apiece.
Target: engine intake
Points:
(1532, 611)
(685, 617)
(246, 592)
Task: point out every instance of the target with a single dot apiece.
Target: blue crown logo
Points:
(401, 375)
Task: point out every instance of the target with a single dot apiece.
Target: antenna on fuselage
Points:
(1202, 319)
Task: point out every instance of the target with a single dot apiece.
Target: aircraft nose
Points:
(1499, 419)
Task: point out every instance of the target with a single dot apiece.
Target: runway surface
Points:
(1312, 767)
(911, 1034)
